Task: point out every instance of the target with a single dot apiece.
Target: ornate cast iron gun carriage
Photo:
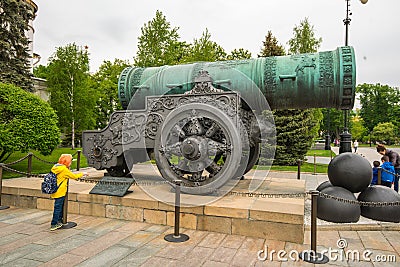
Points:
(201, 120)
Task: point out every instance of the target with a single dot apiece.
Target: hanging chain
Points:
(42, 160)
(361, 203)
(17, 161)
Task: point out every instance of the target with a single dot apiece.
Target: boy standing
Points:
(375, 172)
(388, 171)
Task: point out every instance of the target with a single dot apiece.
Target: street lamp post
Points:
(345, 136)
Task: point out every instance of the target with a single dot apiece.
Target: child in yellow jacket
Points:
(61, 169)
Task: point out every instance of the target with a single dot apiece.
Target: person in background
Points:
(394, 158)
(387, 175)
(61, 169)
(375, 167)
(355, 145)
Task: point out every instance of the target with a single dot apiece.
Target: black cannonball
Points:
(350, 171)
(379, 193)
(336, 211)
(323, 186)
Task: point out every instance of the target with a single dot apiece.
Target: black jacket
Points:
(394, 157)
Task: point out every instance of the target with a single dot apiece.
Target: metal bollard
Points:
(313, 256)
(66, 224)
(29, 164)
(78, 163)
(315, 164)
(298, 169)
(1, 186)
(379, 182)
(176, 237)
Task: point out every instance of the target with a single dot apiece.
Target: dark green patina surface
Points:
(315, 80)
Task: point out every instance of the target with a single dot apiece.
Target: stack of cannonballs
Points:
(349, 174)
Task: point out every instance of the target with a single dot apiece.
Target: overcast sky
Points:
(111, 28)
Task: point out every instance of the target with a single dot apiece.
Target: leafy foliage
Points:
(238, 54)
(26, 122)
(379, 104)
(384, 133)
(14, 54)
(158, 44)
(295, 128)
(71, 94)
(204, 49)
(304, 40)
(271, 47)
(106, 84)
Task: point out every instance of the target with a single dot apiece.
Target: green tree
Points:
(41, 71)
(304, 40)
(159, 44)
(332, 121)
(271, 47)
(295, 128)
(358, 131)
(237, 54)
(379, 104)
(106, 84)
(384, 132)
(204, 49)
(26, 122)
(70, 94)
(14, 45)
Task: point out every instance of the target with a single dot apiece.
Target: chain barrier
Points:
(22, 173)
(234, 193)
(17, 161)
(42, 160)
(361, 203)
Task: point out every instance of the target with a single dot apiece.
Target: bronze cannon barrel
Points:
(315, 80)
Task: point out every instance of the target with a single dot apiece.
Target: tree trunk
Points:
(73, 135)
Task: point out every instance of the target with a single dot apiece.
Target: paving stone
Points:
(11, 238)
(375, 240)
(27, 240)
(196, 257)
(26, 217)
(55, 250)
(215, 264)
(244, 257)
(175, 251)
(99, 244)
(17, 253)
(222, 254)
(64, 260)
(22, 262)
(107, 257)
(158, 261)
(138, 257)
(212, 240)
(103, 228)
(232, 241)
(138, 239)
(394, 239)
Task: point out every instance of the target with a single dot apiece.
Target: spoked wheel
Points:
(202, 146)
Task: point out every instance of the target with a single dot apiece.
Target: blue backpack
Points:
(49, 184)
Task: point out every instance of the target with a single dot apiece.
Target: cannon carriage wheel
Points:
(200, 144)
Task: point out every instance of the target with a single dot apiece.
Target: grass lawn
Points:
(39, 167)
(305, 167)
(321, 153)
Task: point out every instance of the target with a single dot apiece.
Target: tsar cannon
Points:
(201, 122)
